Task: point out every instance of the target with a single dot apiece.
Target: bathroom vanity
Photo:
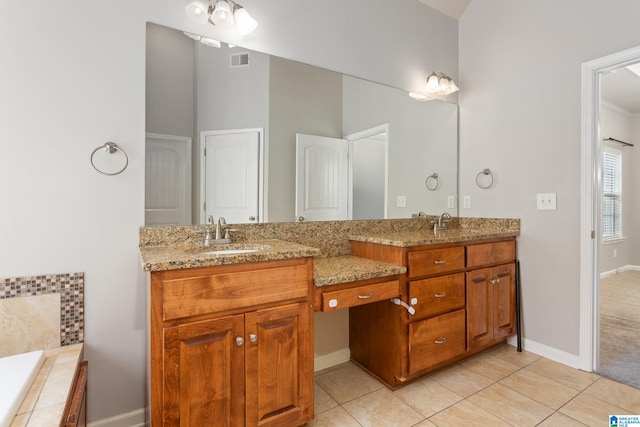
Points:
(231, 330)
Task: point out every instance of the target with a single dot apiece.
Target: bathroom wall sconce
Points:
(440, 84)
(222, 14)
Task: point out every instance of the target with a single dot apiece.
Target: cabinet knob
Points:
(494, 281)
(239, 341)
(441, 340)
(253, 337)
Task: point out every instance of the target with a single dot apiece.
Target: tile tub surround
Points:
(330, 237)
(44, 403)
(69, 287)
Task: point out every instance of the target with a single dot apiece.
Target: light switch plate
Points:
(546, 201)
(401, 202)
(466, 202)
(451, 202)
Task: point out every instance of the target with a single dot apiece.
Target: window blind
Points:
(612, 193)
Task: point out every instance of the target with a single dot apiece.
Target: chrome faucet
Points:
(221, 226)
(441, 223)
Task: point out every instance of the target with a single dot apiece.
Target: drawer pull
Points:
(439, 261)
(253, 337)
(441, 295)
(239, 341)
(494, 281)
(441, 340)
(367, 296)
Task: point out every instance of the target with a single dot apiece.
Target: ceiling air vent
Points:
(240, 60)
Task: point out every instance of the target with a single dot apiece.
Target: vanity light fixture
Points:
(440, 84)
(223, 14)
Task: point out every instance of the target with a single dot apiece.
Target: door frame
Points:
(376, 130)
(591, 204)
(262, 173)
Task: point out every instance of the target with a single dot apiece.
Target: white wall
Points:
(634, 159)
(73, 77)
(520, 116)
(616, 123)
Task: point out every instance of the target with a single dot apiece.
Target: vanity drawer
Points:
(435, 261)
(491, 253)
(229, 290)
(360, 295)
(436, 340)
(438, 294)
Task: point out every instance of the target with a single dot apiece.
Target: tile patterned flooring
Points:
(499, 387)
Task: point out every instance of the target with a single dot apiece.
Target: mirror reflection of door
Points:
(230, 179)
(368, 173)
(167, 180)
(321, 178)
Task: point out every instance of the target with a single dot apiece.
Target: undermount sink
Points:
(234, 249)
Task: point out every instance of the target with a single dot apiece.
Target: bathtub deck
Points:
(45, 401)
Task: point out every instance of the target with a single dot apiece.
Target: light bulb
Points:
(222, 16)
(453, 86)
(197, 11)
(432, 83)
(245, 22)
(444, 85)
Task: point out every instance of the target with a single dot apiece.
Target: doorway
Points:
(591, 205)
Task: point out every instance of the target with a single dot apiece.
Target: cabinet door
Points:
(490, 305)
(204, 374)
(279, 366)
(479, 314)
(504, 301)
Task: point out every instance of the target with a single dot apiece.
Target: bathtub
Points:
(16, 375)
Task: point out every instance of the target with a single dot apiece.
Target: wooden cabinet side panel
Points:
(279, 366)
(204, 374)
(384, 253)
(75, 413)
(378, 340)
(479, 314)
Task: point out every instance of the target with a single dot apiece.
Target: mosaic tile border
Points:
(70, 286)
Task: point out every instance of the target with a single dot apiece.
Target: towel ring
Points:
(110, 148)
(432, 182)
(485, 172)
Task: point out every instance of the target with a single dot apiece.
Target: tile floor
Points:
(499, 387)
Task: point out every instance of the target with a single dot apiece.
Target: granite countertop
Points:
(407, 239)
(44, 403)
(174, 257)
(343, 269)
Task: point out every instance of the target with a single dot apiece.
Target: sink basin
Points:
(234, 249)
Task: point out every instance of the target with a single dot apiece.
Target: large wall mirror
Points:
(256, 138)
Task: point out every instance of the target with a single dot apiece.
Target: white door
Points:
(231, 175)
(321, 178)
(167, 180)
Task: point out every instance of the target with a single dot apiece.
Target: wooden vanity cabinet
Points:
(464, 300)
(241, 357)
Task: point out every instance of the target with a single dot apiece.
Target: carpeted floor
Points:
(620, 327)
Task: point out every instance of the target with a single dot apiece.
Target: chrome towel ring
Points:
(110, 148)
(432, 182)
(485, 172)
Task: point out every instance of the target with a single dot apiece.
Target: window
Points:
(612, 193)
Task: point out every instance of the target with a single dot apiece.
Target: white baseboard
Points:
(332, 359)
(547, 352)
(130, 419)
(619, 270)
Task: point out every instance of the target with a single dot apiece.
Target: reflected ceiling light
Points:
(440, 84)
(204, 40)
(224, 14)
(419, 96)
